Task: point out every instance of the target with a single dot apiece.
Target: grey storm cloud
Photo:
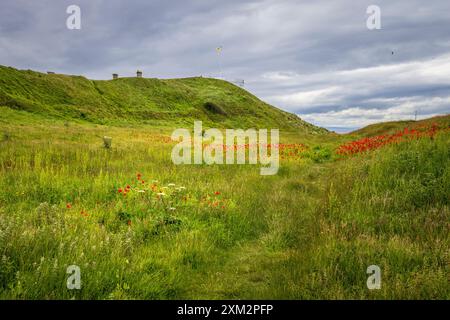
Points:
(314, 58)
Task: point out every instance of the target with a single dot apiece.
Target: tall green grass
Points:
(389, 208)
(308, 232)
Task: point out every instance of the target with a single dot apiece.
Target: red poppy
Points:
(120, 190)
(128, 187)
(217, 193)
(68, 206)
(371, 143)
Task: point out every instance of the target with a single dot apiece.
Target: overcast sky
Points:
(317, 59)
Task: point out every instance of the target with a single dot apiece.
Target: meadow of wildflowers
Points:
(140, 227)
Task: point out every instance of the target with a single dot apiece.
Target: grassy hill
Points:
(395, 126)
(141, 101)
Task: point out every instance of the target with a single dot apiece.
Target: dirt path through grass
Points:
(250, 269)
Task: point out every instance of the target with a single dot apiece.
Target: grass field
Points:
(308, 232)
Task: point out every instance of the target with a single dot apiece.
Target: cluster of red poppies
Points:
(292, 151)
(372, 143)
(286, 151)
(82, 212)
(125, 190)
(214, 200)
(158, 138)
(234, 147)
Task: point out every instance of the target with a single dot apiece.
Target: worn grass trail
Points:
(251, 269)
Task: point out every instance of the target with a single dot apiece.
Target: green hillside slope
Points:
(395, 126)
(141, 100)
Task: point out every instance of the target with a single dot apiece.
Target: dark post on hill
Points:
(115, 76)
(139, 74)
